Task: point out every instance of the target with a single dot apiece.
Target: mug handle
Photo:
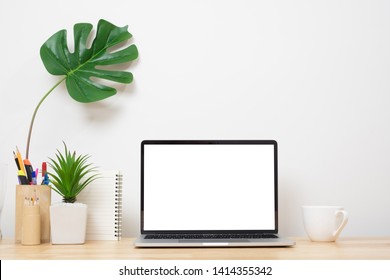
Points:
(343, 223)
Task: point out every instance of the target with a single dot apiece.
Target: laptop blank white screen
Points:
(209, 187)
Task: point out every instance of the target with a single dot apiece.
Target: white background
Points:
(314, 75)
(209, 187)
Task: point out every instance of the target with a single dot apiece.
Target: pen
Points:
(44, 168)
(34, 178)
(45, 180)
(44, 171)
(29, 169)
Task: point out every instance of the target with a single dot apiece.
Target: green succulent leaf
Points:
(71, 174)
(82, 64)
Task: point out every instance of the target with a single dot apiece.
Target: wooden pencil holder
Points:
(31, 225)
(39, 195)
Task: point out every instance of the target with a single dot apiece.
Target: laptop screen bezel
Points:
(210, 142)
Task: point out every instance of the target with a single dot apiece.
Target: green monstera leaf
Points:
(82, 64)
(79, 66)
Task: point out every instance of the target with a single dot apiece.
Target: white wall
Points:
(314, 75)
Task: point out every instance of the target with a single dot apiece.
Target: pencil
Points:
(19, 156)
(16, 160)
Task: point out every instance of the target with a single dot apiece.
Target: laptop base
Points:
(266, 242)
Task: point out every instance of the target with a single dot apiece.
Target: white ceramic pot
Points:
(68, 223)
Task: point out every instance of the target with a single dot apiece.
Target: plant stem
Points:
(35, 113)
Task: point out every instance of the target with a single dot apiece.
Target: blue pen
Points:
(34, 178)
(46, 179)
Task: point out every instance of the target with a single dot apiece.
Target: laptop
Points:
(209, 193)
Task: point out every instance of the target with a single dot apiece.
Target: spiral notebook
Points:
(104, 200)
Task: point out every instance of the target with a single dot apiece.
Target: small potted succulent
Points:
(71, 174)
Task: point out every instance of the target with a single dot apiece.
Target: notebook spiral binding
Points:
(118, 206)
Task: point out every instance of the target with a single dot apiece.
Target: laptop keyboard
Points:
(211, 236)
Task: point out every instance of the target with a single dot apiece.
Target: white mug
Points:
(324, 223)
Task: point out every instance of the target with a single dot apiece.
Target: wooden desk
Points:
(345, 248)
